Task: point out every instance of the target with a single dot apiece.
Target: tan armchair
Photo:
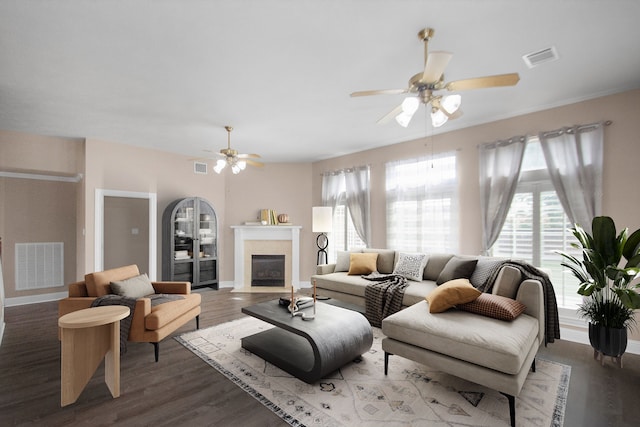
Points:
(149, 324)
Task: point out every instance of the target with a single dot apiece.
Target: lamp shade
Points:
(322, 221)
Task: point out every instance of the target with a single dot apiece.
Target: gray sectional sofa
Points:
(495, 353)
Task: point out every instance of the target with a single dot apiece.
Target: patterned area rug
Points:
(360, 394)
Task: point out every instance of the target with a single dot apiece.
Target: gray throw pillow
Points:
(484, 269)
(134, 287)
(457, 268)
(342, 261)
(411, 266)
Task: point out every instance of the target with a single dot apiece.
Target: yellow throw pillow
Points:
(451, 293)
(363, 263)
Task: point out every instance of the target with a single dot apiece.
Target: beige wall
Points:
(621, 171)
(39, 210)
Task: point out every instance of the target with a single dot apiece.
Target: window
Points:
(422, 204)
(536, 226)
(344, 235)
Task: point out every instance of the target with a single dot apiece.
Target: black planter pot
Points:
(608, 341)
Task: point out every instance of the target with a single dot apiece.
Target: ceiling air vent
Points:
(199, 167)
(540, 57)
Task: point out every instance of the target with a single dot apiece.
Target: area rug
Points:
(359, 394)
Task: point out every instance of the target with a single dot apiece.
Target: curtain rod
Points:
(519, 137)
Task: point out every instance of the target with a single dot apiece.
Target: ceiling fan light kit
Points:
(423, 85)
(237, 162)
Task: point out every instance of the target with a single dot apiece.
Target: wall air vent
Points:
(200, 167)
(534, 59)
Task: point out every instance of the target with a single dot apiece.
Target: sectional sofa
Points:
(472, 345)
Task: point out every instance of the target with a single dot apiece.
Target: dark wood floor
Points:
(182, 390)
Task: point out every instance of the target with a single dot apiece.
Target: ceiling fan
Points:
(238, 162)
(424, 86)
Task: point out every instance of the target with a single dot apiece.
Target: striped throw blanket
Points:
(383, 296)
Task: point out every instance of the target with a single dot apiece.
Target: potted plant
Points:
(607, 286)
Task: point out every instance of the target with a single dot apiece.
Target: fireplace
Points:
(267, 270)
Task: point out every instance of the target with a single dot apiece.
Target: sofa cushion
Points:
(99, 283)
(487, 342)
(362, 263)
(411, 266)
(435, 265)
(134, 287)
(163, 314)
(386, 259)
(416, 291)
(495, 306)
(450, 294)
(341, 282)
(457, 268)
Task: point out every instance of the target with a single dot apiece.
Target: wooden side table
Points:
(88, 336)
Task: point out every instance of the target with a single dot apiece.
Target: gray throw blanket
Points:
(552, 321)
(383, 297)
(125, 324)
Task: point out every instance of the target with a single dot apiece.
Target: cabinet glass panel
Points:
(207, 231)
(184, 231)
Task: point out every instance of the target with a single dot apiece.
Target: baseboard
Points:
(34, 299)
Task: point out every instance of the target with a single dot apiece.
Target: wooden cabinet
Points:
(190, 243)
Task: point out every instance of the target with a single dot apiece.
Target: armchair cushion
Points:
(134, 287)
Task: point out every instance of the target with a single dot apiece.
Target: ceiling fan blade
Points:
(254, 163)
(379, 92)
(435, 65)
(484, 82)
(390, 115)
(246, 156)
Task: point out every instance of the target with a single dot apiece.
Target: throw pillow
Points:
(134, 287)
(495, 306)
(411, 266)
(342, 261)
(457, 268)
(360, 263)
(485, 268)
(450, 294)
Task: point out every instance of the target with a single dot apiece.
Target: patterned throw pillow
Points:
(484, 269)
(451, 294)
(411, 266)
(495, 306)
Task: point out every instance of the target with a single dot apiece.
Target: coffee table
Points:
(309, 349)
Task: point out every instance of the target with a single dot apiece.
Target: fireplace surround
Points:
(266, 240)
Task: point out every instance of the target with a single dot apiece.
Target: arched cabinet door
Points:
(190, 242)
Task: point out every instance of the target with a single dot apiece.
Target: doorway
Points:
(118, 205)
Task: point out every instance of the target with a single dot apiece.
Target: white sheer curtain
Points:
(331, 187)
(354, 182)
(499, 168)
(574, 159)
(422, 204)
(358, 201)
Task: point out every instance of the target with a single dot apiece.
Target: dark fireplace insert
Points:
(267, 270)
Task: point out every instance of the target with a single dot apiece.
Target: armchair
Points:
(149, 324)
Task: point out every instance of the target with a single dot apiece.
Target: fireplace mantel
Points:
(261, 233)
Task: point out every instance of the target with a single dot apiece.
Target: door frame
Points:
(99, 226)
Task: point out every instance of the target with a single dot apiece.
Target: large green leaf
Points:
(604, 239)
(628, 297)
(632, 246)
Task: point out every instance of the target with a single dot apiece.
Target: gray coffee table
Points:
(309, 349)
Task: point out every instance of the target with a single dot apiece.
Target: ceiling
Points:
(171, 74)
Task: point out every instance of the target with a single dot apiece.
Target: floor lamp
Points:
(322, 223)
